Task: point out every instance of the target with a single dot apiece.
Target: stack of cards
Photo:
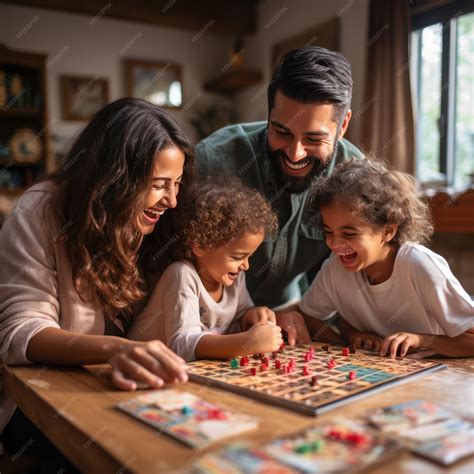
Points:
(187, 417)
(335, 447)
(427, 429)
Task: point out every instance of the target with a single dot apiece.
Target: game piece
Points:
(234, 363)
(314, 381)
(253, 371)
(265, 360)
(305, 370)
(325, 347)
(263, 367)
(351, 375)
(345, 351)
(282, 347)
(282, 383)
(274, 355)
(244, 361)
(202, 423)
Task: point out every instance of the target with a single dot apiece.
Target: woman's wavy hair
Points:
(215, 211)
(379, 195)
(102, 188)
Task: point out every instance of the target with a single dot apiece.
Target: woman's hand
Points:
(152, 363)
(257, 314)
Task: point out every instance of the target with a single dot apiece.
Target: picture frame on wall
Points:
(82, 96)
(157, 82)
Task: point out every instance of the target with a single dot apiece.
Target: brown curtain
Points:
(387, 121)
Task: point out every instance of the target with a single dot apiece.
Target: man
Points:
(309, 110)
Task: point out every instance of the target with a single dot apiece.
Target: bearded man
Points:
(309, 100)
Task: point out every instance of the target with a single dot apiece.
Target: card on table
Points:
(396, 418)
(333, 447)
(187, 417)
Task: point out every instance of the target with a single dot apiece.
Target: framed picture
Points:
(82, 96)
(157, 82)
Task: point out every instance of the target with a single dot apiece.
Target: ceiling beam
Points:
(217, 16)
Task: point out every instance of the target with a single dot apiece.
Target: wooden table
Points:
(74, 407)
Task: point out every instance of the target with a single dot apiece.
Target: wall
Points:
(279, 20)
(84, 45)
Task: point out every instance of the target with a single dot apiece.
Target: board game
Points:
(310, 379)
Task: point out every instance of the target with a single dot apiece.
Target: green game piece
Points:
(234, 363)
(186, 410)
(301, 449)
(317, 445)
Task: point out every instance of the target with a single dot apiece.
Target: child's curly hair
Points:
(377, 194)
(218, 211)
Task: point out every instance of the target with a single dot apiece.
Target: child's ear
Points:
(389, 232)
(198, 251)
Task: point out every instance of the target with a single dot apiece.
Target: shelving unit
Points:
(23, 105)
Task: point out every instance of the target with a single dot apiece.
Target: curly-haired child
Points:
(201, 307)
(392, 293)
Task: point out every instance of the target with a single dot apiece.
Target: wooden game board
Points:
(294, 391)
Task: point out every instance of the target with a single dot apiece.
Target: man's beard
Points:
(295, 184)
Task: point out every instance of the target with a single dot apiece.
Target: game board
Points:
(309, 379)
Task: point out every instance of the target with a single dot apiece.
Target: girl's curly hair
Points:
(377, 194)
(214, 212)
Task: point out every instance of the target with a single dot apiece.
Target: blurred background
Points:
(209, 63)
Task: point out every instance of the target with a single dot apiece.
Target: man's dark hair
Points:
(314, 74)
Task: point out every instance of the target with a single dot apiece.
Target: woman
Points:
(70, 283)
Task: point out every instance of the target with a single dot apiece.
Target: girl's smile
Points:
(359, 245)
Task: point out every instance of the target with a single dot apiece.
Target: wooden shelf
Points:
(23, 112)
(236, 80)
(453, 214)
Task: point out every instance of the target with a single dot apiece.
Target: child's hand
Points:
(263, 337)
(257, 314)
(402, 340)
(365, 340)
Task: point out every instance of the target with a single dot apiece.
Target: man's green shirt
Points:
(282, 260)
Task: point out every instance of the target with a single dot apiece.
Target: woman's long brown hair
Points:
(102, 187)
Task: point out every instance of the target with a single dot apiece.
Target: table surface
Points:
(74, 407)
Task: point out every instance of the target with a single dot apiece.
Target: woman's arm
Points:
(149, 362)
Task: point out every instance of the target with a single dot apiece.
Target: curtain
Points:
(387, 128)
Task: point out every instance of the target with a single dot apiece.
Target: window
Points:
(442, 72)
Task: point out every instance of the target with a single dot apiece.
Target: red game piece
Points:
(314, 381)
(265, 360)
(244, 361)
(253, 371)
(345, 351)
(216, 414)
(352, 375)
(263, 367)
(282, 347)
(305, 370)
(274, 355)
(331, 364)
(277, 364)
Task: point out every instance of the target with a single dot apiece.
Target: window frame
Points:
(447, 16)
